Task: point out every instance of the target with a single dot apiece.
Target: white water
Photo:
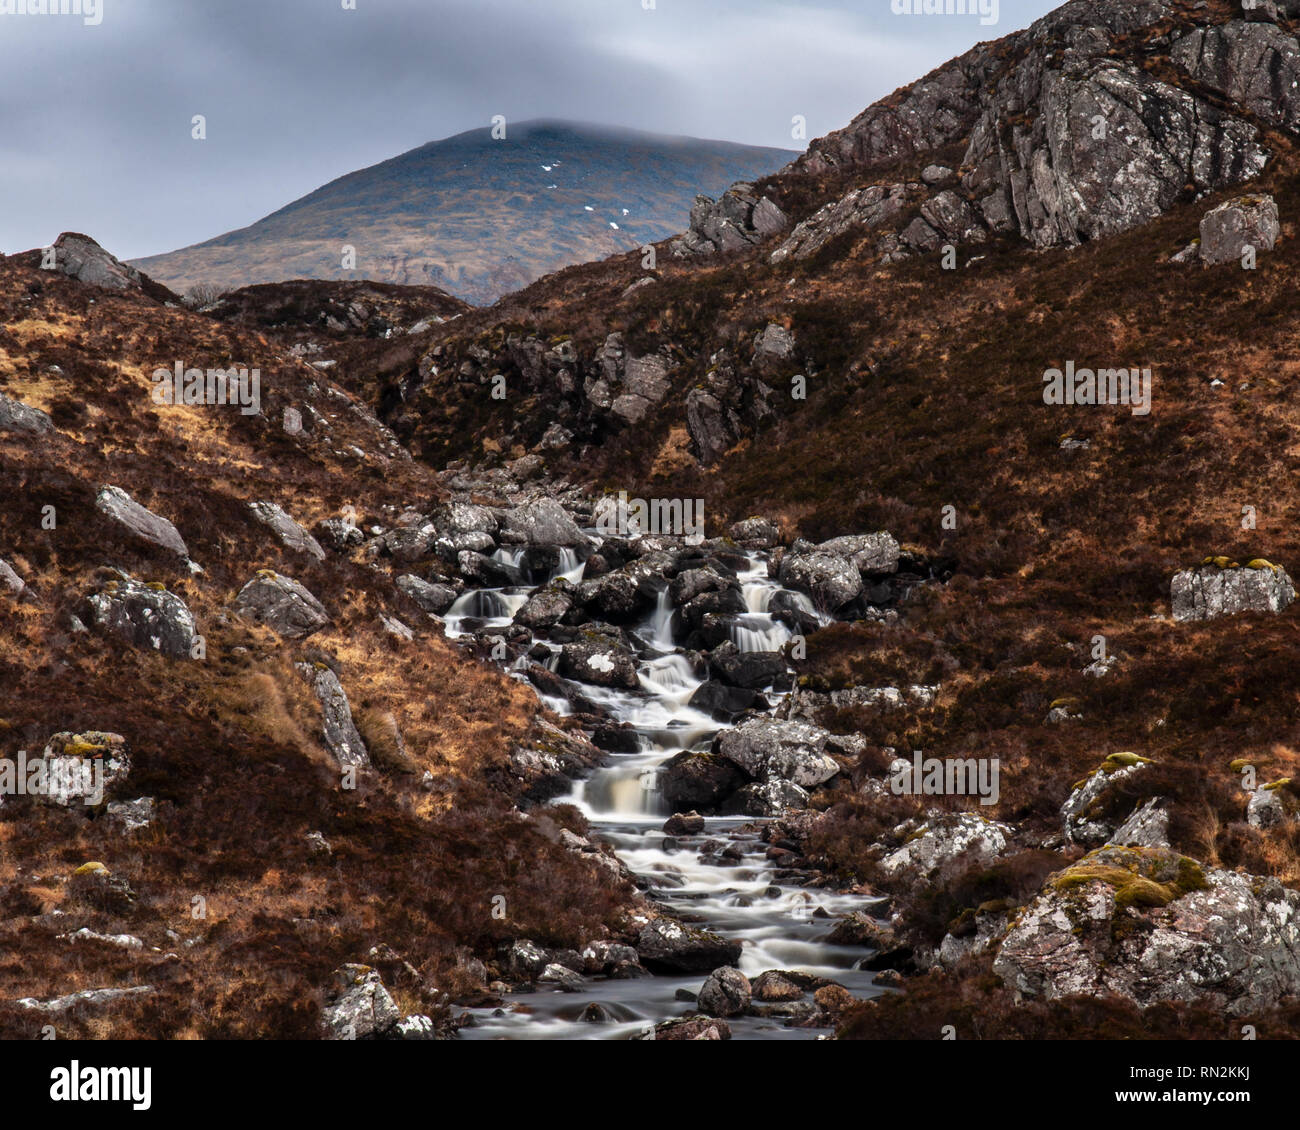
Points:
(741, 899)
(571, 569)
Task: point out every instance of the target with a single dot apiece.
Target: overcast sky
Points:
(95, 120)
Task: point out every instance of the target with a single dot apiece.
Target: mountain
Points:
(475, 216)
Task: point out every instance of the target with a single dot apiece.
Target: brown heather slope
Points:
(230, 746)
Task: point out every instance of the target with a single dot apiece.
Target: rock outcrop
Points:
(1067, 137)
(1151, 925)
(739, 220)
(1216, 589)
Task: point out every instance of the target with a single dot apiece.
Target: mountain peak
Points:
(476, 215)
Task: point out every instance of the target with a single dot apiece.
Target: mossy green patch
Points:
(1140, 877)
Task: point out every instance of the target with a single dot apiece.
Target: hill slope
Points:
(478, 217)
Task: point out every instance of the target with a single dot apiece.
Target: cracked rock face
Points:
(1066, 143)
(1234, 945)
(862, 208)
(740, 219)
(1209, 592)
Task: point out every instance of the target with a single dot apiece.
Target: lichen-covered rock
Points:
(118, 506)
(523, 959)
(869, 554)
(282, 604)
(464, 518)
(1248, 221)
(614, 596)
(808, 706)
(726, 993)
(1151, 926)
(601, 661)
(544, 522)
(145, 615)
(1081, 822)
(770, 750)
(361, 1008)
(946, 845)
(766, 798)
(1265, 809)
(953, 218)
(81, 767)
(547, 606)
(128, 816)
(1147, 827)
(292, 535)
(666, 946)
(756, 533)
(1210, 591)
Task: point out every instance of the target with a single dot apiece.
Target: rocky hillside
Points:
(477, 216)
(299, 774)
(861, 343)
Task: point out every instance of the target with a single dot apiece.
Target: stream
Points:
(780, 924)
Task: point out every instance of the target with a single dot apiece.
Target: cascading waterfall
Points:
(740, 899)
(488, 608)
(570, 568)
